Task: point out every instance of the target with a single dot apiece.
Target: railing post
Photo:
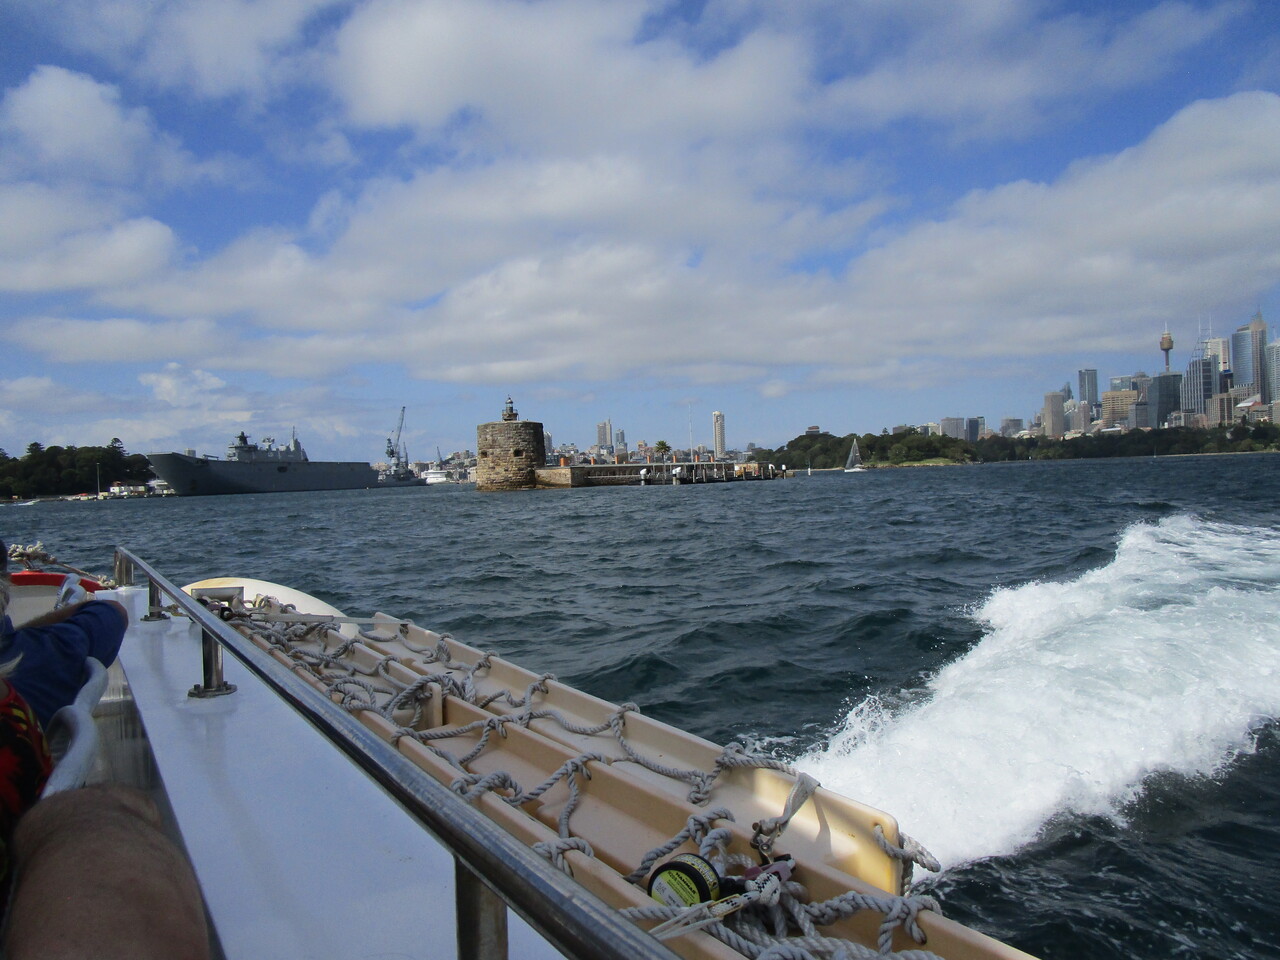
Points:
(155, 609)
(213, 684)
(123, 572)
(482, 917)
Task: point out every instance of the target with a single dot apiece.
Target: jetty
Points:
(650, 474)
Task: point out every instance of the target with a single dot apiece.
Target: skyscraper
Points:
(1272, 354)
(1054, 416)
(1204, 376)
(1248, 356)
(1089, 387)
(604, 434)
(1115, 406)
(1164, 396)
(717, 431)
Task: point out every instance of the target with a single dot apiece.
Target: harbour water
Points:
(1063, 677)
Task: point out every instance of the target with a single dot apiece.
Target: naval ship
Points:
(250, 468)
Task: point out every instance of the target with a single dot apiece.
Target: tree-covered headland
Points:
(823, 451)
(67, 471)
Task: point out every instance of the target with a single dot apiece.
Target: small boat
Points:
(610, 834)
(854, 463)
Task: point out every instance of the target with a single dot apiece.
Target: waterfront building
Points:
(953, 427)
(1053, 416)
(717, 433)
(1248, 356)
(1115, 406)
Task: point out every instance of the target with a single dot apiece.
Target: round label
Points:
(684, 881)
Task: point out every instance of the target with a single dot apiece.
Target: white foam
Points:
(1165, 659)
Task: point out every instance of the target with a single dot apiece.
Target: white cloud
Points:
(1112, 249)
(565, 74)
(573, 269)
(65, 125)
(118, 254)
(21, 397)
(35, 215)
(179, 386)
(215, 49)
(123, 340)
(989, 68)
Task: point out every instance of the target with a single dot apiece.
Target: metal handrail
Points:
(571, 918)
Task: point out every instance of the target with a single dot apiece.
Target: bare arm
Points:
(98, 879)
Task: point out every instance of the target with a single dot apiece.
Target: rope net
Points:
(558, 786)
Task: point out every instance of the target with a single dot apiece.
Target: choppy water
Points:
(1063, 678)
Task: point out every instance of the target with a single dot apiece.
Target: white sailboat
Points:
(854, 463)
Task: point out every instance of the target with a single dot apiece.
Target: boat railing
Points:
(493, 870)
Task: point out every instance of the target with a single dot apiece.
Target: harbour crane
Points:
(395, 451)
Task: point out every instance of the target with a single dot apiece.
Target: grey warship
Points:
(250, 468)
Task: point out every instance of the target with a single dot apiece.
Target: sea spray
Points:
(1166, 659)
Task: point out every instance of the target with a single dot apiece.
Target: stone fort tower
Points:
(510, 450)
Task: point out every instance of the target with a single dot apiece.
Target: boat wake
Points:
(1165, 660)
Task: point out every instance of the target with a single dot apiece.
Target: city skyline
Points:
(308, 214)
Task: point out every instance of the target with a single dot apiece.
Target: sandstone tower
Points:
(510, 450)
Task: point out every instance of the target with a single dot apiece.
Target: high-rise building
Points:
(974, 427)
(1115, 406)
(1204, 377)
(717, 433)
(1011, 426)
(1219, 347)
(953, 427)
(1272, 354)
(1164, 396)
(1248, 355)
(1139, 416)
(1089, 386)
(604, 434)
(1054, 415)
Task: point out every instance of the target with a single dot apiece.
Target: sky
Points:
(279, 215)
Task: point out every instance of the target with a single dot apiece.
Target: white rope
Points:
(760, 923)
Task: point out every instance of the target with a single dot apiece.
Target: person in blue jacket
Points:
(44, 659)
(97, 877)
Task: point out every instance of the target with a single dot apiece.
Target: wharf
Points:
(651, 474)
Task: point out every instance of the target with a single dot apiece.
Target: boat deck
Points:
(299, 854)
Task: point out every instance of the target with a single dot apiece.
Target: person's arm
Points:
(98, 878)
(57, 616)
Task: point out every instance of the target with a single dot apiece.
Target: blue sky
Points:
(280, 214)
